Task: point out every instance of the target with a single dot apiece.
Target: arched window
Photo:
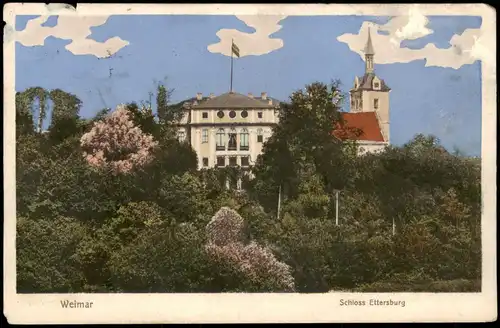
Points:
(260, 137)
(244, 139)
(220, 143)
(231, 145)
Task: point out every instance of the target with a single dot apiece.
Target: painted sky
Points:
(435, 79)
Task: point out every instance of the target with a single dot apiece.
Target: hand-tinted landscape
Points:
(310, 154)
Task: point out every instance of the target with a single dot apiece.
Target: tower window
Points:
(375, 103)
(204, 135)
(204, 115)
(376, 85)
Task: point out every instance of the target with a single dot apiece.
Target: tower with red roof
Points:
(369, 105)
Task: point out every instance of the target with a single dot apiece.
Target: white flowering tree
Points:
(116, 143)
(225, 245)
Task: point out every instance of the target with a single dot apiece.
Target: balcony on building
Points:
(232, 144)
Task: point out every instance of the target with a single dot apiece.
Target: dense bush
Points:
(409, 217)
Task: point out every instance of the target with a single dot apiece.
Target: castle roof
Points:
(231, 100)
(366, 83)
(363, 126)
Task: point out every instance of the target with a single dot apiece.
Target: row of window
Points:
(233, 161)
(232, 141)
(376, 85)
(232, 114)
(359, 103)
(220, 138)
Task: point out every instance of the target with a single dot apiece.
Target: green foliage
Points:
(186, 190)
(162, 259)
(409, 217)
(45, 255)
(304, 141)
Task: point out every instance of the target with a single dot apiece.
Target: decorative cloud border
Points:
(250, 44)
(70, 26)
(466, 48)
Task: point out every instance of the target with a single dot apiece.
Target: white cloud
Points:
(256, 43)
(70, 26)
(464, 49)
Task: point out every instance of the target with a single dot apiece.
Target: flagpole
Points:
(231, 87)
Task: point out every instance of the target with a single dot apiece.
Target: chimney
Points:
(212, 95)
(199, 95)
(264, 95)
(250, 95)
(270, 101)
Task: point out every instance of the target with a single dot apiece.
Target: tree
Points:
(183, 189)
(166, 112)
(166, 226)
(117, 144)
(37, 97)
(161, 261)
(24, 116)
(305, 136)
(226, 245)
(162, 97)
(65, 121)
(45, 255)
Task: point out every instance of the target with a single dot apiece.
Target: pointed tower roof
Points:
(369, 46)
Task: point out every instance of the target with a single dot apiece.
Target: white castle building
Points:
(230, 129)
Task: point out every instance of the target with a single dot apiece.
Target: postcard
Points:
(203, 163)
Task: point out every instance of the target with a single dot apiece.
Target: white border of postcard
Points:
(240, 308)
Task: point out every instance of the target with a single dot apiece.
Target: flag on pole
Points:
(235, 50)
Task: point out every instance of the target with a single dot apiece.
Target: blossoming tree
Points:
(258, 263)
(117, 144)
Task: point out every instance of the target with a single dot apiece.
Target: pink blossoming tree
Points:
(117, 144)
(258, 263)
